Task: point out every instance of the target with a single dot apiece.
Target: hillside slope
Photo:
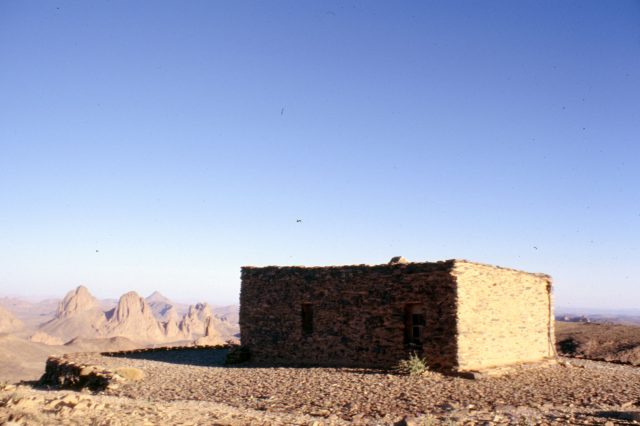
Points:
(609, 342)
(8, 322)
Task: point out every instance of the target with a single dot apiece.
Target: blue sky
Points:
(164, 145)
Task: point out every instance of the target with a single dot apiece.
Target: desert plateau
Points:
(31, 331)
(96, 378)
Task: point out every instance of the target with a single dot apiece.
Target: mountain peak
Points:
(75, 301)
(157, 297)
(133, 318)
(130, 305)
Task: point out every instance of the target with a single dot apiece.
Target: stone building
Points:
(459, 315)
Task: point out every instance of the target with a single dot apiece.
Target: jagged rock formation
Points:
(8, 322)
(76, 301)
(230, 313)
(172, 327)
(211, 336)
(172, 315)
(195, 321)
(152, 320)
(78, 315)
(133, 318)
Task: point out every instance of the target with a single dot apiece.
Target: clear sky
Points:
(163, 145)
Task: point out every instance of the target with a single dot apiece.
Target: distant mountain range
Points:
(599, 311)
(151, 320)
(608, 316)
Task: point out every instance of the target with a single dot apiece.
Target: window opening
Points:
(307, 318)
(415, 322)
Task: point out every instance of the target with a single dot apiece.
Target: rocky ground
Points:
(610, 342)
(194, 387)
(24, 405)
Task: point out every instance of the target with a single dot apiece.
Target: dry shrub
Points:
(412, 366)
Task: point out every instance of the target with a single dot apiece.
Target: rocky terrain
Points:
(30, 331)
(192, 385)
(609, 342)
(22, 405)
(188, 386)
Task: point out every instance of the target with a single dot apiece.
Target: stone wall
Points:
(476, 316)
(358, 313)
(504, 316)
(63, 372)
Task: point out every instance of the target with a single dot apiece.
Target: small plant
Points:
(412, 366)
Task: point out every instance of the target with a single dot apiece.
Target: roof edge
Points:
(489, 265)
(399, 265)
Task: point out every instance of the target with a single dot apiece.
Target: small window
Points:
(418, 319)
(414, 322)
(307, 318)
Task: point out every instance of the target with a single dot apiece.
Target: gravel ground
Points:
(577, 392)
(24, 405)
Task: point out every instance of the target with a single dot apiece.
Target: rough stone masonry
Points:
(459, 315)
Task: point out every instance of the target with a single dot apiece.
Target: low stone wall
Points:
(64, 373)
(167, 348)
(78, 371)
(356, 314)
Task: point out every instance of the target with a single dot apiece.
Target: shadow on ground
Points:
(631, 416)
(199, 357)
(215, 357)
